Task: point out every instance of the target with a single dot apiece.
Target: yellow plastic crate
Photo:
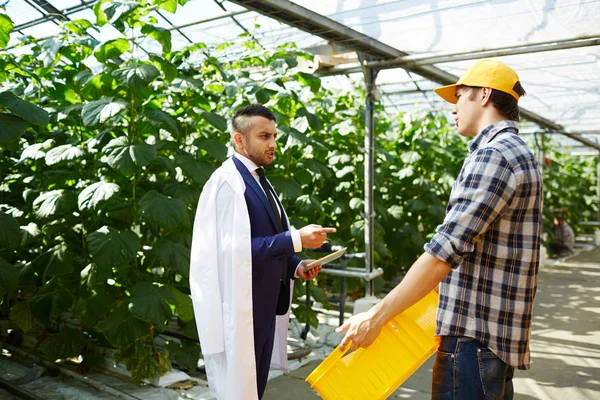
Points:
(404, 344)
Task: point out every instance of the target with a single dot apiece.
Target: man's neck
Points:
(488, 118)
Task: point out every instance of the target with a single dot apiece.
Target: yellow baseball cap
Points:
(484, 73)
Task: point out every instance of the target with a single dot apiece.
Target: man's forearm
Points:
(424, 276)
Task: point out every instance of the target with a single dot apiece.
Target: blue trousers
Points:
(465, 369)
(264, 338)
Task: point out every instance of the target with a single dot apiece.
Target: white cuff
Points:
(296, 271)
(297, 241)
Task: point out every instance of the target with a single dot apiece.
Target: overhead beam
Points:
(65, 12)
(330, 30)
(421, 60)
(407, 62)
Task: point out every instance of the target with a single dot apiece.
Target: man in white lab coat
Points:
(243, 264)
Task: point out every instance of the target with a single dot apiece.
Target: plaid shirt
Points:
(491, 239)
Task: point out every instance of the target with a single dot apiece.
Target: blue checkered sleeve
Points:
(483, 191)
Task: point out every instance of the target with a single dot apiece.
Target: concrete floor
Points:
(565, 349)
(565, 343)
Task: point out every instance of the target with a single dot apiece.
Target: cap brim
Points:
(447, 93)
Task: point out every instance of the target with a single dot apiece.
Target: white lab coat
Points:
(221, 287)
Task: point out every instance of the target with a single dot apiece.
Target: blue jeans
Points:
(465, 369)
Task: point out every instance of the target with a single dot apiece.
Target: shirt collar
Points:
(489, 133)
(247, 162)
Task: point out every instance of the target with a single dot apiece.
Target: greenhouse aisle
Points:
(565, 342)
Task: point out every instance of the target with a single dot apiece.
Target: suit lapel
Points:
(251, 182)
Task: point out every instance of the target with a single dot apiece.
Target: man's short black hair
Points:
(505, 103)
(241, 120)
(255, 110)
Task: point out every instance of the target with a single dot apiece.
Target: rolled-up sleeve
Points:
(483, 191)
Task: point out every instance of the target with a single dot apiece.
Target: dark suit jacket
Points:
(271, 251)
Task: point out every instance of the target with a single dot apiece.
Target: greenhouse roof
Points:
(553, 45)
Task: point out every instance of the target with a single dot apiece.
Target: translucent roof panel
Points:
(452, 26)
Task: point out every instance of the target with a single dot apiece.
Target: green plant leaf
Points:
(309, 80)
(6, 27)
(187, 193)
(185, 354)
(53, 203)
(115, 10)
(410, 157)
(9, 278)
(122, 328)
(305, 314)
(307, 203)
(287, 188)
(93, 359)
(66, 152)
(94, 306)
(50, 300)
(35, 151)
(173, 256)
(128, 158)
(161, 35)
(185, 308)
(168, 68)
(142, 367)
(313, 121)
(112, 49)
(78, 26)
(95, 194)
(59, 261)
(99, 111)
(50, 50)
(167, 212)
(112, 247)
(215, 148)
(300, 124)
(152, 303)
(11, 127)
(29, 233)
(318, 295)
(24, 109)
(136, 75)
(20, 315)
(198, 171)
(264, 95)
(167, 5)
(10, 233)
(101, 18)
(65, 344)
(317, 167)
(215, 120)
(165, 119)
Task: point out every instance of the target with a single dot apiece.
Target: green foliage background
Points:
(101, 169)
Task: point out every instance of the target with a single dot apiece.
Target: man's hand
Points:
(361, 329)
(310, 274)
(313, 236)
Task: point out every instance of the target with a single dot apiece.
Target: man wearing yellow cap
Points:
(485, 255)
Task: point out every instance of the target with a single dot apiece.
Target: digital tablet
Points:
(324, 260)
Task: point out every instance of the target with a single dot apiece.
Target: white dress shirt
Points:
(252, 168)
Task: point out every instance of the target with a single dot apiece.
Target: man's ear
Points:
(486, 93)
(237, 139)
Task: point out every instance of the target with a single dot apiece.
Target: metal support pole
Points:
(598, 185)
(342, 293)
(306, 329)
(370, 76)
(540, 150)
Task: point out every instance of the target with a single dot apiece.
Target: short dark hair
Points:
(240, 120)
(504, 102)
